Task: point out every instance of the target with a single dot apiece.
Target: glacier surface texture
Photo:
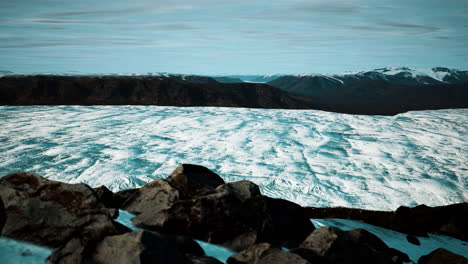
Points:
(310, 157)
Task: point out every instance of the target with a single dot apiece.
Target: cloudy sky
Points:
(231, 37)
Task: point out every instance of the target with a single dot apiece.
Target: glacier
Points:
(313, 158)
(310, 157)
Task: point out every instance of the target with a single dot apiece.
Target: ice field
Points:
(310, 157)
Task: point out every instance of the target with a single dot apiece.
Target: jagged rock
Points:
(105, 196)
(413, 240)
(446, 220)
(194, 180)
(2, 215)
(49, 213)
(249, 255)
(278, 256)
(221, 218)
(121, 196)
(354, 246)
(241, 241)
(276, 220)
(134, 247)
(444, 256)
(153, 197)
(310, 256)
(265, 253)
(211, 218)
(243, 190)
(204, 260)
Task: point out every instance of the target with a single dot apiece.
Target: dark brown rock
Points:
(354, 246)
(105, 196)
(443, 256)
(121, 196)
(205, 218)
(134, 247)
(278, 256)
(242, 241)
(265, 253)
(153, 197)
(194, 180)
(49, 213)
(413, 240)
(257, 219)
(249, 255)
(2, 215)
(276, 221)
(446, 220)
(204, 260)
(310, 256)
(243, 190)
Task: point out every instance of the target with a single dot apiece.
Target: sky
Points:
(231, 37)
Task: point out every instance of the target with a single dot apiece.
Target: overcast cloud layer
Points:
(231, 37)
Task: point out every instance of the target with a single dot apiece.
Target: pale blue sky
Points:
(231, 37)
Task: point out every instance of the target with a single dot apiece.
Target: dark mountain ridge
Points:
(141, 90)
(387, 91)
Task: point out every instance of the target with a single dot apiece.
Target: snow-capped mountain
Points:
(386, 89)
(409, 76)
(256, 78)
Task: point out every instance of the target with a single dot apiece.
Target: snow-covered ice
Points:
(311, 157)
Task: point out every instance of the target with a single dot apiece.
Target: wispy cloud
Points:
(426, 28)
(336, 7)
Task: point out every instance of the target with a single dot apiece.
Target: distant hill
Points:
(385, 91)
(381, 91)
(256, 78)
(141, 90)
(228, 80)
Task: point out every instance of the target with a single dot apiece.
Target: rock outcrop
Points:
(134, 247)
(2, 215)
(354, 246)
(267, 254)
(49, 213)
(444, 220)
(444, 256)
(195, 201)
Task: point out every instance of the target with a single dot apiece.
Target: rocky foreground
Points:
(195, 203)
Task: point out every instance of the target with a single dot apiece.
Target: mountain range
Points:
(384, 91)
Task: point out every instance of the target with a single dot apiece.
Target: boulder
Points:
(446, 220)
(444, 256)
(105, 196)
(354, 246)
(310, 256)
(2, 215)
(121, 196)
(153, 197)
(204, 260)
(221, 218)
(276, 221)
(243, 190)
(133, 247)
(265, 253)
(212, 218)
(194, 180)
(249, 255)
(413, 240)
(49, 213)
(278, 256)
